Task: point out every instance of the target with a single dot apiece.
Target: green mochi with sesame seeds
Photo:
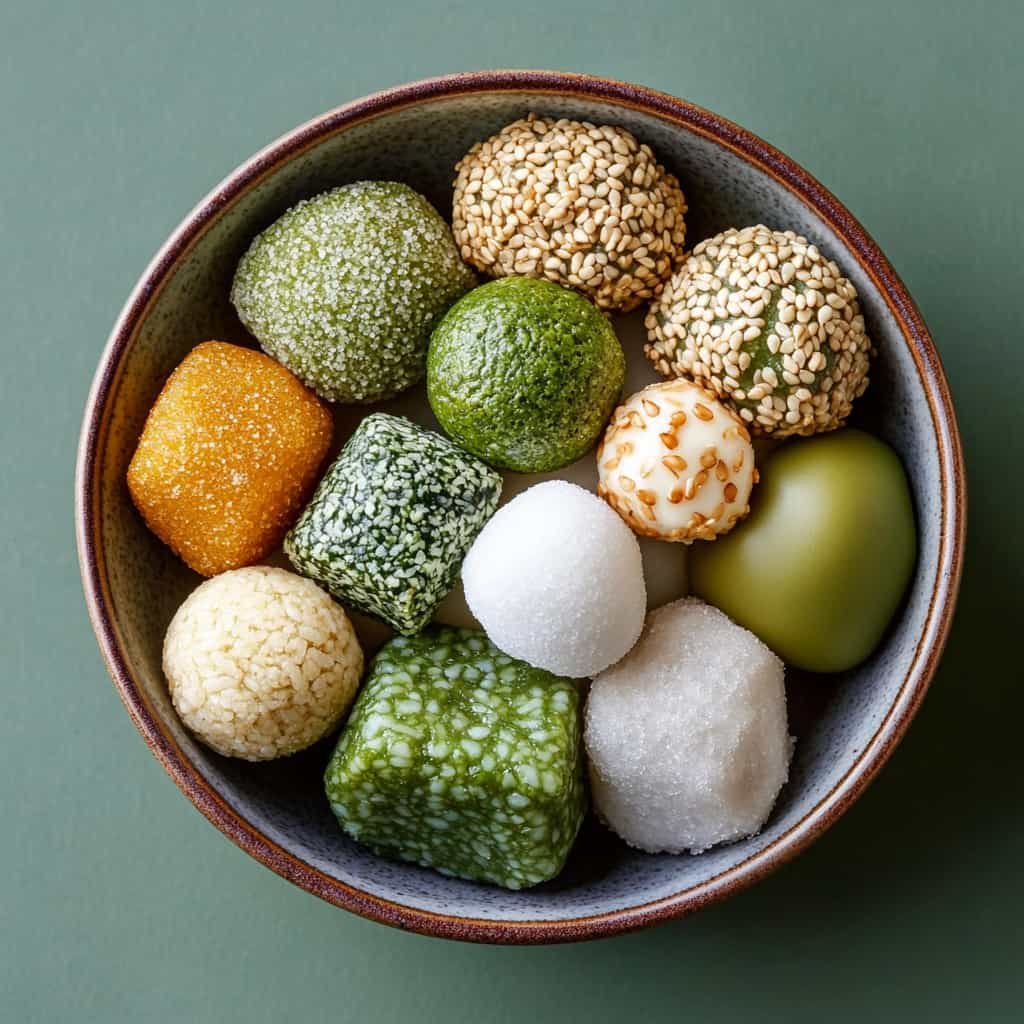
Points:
(345, 288)
(392, 519)
(767, 323)
(460, 758)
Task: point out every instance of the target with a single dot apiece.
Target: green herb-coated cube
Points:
(392, 520)
(463, 759)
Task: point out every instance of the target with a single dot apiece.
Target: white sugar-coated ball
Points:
(261, 663)
(555, 579)
(676, 464)
(687, 735)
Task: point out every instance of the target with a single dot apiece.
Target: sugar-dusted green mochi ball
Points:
(392, 520)
(345, 288)
(460, 758)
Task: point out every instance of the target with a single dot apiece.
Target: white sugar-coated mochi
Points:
(687, 735)
(555, 579)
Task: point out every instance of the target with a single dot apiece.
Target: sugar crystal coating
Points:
(261, 663)
(676, 464)
(555, 578)
(459, 758)
(686, 736)
(229, 452)
(586, 206)
(392, 520)
(345, 288)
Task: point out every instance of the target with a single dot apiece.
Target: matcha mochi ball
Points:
(345, 288)
(524, 374)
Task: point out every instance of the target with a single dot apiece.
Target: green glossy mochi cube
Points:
(460, 758)
(392, 520)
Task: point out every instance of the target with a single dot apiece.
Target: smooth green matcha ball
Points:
(524, 374)
(819, 568)
(344, 289)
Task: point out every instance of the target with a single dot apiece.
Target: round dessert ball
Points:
(676, 464)
(768, 324)
(524, 374)
(261, 663)
(586, 206)
(687, 735)
(555, 580)
(345, 288)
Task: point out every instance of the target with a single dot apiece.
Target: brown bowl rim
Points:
(749, 147)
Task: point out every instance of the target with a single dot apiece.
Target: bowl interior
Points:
(833, 718)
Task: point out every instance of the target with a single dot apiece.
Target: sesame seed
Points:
(755, 315)
(563, 183)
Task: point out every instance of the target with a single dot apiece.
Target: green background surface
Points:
(118, 902)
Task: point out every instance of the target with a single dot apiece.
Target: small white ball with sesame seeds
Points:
(676, 464)
(261, 663)
(555, 579)
(764, 320)
(586, 206)
(687, 736)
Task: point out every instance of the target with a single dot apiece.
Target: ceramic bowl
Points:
(846, 726)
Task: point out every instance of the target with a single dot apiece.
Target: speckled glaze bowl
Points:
(846, 726)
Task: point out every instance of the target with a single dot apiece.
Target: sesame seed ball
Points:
(261, 663)
(764, 321)
(345, 288)
(586, 206)
(676, 464)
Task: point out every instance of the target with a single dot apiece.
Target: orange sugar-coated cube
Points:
(229, 453)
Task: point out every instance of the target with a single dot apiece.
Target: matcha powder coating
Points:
(460, 758)
(345, 288)
(524, 373)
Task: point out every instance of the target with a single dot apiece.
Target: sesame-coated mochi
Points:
(767, 323)
(345, 288)
(586, 206)
(676, 464)
(392, 520)
(460, 758)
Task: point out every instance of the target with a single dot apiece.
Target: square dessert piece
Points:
(229, 452)
(460, 758)
(392, 520)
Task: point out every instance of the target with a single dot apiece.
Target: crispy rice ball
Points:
(586, 206)
(769, 325)
(229, 452)
(261, 663)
